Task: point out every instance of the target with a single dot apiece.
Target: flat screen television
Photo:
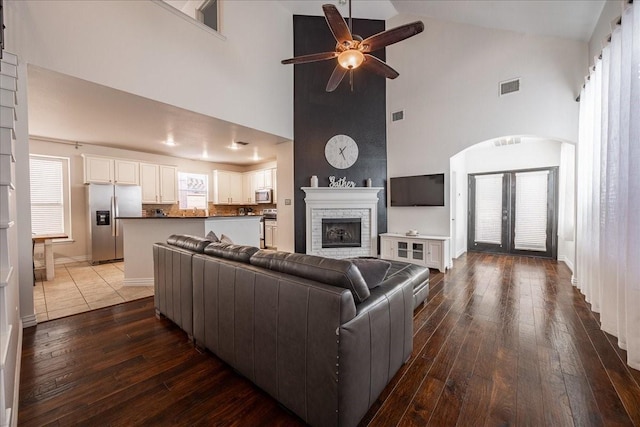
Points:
(420, 190)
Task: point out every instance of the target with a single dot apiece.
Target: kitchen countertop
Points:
(191, 217)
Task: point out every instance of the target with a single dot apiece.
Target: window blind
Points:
(531, 211)
(192, 190)
(47, 198)
(488, 209)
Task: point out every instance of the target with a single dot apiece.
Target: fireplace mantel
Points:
(352, 200)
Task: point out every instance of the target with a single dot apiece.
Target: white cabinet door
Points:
(268, 178)
(227, 187)
(274, 237)
(126, 172)
(149, 182)
(220, 187)
(248, 188)
(259, 177)
(235, 188)
(168, 184)
(268, 236)
(387, 248)
(434, 254)
(98, 170)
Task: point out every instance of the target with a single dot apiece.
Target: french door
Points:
(514, 212)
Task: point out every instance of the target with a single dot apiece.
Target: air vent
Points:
(242, 143)
(397, 116)
(509, 86)
(506, 141)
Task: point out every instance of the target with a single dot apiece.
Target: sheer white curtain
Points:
(608, 219)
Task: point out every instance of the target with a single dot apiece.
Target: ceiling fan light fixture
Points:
(350, 59)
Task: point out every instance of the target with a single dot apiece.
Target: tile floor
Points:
(81, 287)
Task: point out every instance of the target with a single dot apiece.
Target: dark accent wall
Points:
(319, 115)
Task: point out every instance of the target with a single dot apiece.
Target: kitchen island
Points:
(142, 232)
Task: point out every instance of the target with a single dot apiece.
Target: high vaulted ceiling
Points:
(100, 115)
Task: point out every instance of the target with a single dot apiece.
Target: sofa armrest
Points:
(373, 347)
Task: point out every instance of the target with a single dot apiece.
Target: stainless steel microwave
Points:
(264, 195)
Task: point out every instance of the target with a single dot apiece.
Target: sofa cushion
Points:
(336, 272)
(229, 251)
(185, 241)
(373, 270)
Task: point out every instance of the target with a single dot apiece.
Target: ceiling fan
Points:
(352, 51)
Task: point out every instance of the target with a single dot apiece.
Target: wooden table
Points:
(47, 239)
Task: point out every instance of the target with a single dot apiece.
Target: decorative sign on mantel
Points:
(340, 183)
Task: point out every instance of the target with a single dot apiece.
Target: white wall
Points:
(286, 229)
(144, 48)
(448, 87)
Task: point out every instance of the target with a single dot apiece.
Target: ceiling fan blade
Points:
(336, 77)
(372, 63)
(394, 35)
(336, 23)
(310, 58)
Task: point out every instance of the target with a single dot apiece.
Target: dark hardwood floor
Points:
(502, 340)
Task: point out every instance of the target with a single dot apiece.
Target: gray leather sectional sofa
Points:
(307, 330)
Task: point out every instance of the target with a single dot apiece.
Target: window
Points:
(50, 195)
(193, 190)
(208, 13)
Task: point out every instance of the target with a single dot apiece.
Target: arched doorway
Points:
(515, 154)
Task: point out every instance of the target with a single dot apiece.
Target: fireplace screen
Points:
(341, 232)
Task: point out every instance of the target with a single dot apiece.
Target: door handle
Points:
(113, 215)
(116, 214)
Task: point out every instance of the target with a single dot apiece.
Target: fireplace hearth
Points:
(341, 232)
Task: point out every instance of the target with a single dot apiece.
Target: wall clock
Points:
(341, 151)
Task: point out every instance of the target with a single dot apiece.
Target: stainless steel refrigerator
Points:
(107, 202)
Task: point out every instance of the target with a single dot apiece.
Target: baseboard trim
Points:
(16, 380)
(29, 321)
(460, 253)
(574, 279)
(138, 282)
(567, 261)
(71, 260)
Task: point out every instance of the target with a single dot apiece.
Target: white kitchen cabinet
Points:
(274, 184)
(227, 188)
(98, 170)
(270, 234)
(159, 183)
(265, 178)
(428, 251)
(105, 170)
(249, 188)
(259, 179)
(126, 172)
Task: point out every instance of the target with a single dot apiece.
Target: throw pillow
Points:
(225, 239)
(373, 270)
(212, 237)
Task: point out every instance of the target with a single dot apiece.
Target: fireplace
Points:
(341, 232)
(341, 205)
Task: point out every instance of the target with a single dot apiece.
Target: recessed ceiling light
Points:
(234, 146)
(170, 142)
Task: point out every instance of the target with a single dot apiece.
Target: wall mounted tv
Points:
(420, 190)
